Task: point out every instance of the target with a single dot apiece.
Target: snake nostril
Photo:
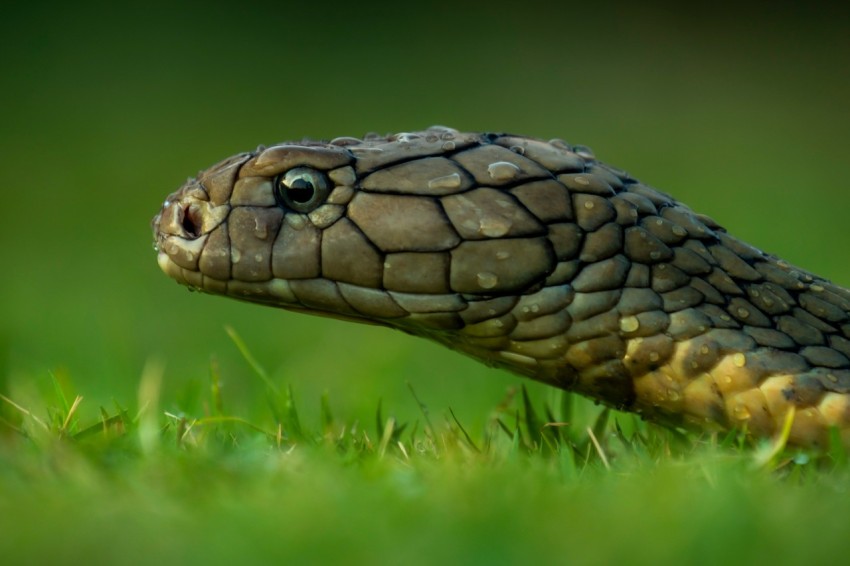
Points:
(192, 221)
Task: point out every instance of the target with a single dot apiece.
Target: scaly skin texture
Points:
(530, 256)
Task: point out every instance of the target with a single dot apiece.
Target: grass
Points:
(565, 481)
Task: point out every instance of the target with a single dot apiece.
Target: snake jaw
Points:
(170, 268)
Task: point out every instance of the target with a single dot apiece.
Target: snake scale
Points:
(527, 255)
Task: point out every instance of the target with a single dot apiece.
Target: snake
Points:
(531, 256)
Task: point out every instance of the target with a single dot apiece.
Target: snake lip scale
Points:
(531, 256)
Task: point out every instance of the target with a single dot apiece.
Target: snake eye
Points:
(301, 189)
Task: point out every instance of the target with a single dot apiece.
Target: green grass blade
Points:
(250, 359)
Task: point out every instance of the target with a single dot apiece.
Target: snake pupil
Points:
(301, 190)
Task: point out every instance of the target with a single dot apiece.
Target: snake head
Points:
(404, 228)
(431, 232)
(248, 225)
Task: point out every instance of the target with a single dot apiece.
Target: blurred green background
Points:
(742, 114)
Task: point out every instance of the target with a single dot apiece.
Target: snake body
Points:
(527, 255)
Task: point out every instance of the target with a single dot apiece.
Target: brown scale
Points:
(531, 256)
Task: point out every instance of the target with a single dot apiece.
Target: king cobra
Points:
(527, 255)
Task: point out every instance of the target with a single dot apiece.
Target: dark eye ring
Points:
(301, 189)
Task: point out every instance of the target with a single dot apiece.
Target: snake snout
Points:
(182, 230)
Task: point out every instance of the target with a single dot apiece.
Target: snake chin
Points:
(192, 279)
